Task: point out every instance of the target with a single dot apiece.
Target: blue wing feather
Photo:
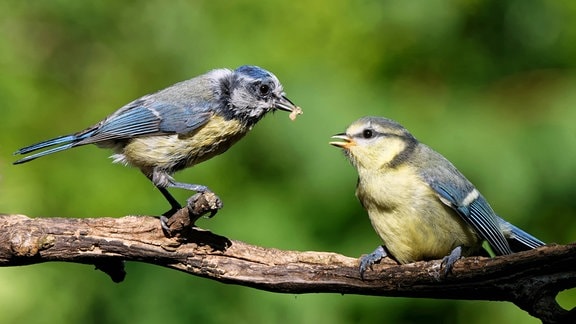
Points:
(482, 215)
(146, 117)
(453, 189)
(477, 214)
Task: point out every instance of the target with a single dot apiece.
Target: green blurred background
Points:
(489, 84)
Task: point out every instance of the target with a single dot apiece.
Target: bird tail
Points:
(63, 142)
(517, 238)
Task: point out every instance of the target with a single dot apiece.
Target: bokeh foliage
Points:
(490, 84)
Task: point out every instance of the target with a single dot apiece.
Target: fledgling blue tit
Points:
(420, 205)
(181, 126)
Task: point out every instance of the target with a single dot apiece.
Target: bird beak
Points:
(347, 141)
(286, 105)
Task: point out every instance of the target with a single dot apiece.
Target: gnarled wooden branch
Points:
(529, 279)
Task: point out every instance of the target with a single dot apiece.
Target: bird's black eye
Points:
(367, 133)
(264, 89)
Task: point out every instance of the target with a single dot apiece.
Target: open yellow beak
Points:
(346, 143)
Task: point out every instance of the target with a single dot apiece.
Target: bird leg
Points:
(214, 202)
(162, 180)
(181, 223)
(368, 260)
(449, 260)
(175, 207)
(173, 202)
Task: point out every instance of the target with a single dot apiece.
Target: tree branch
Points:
(530, 279)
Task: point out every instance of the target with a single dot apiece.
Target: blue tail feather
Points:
(39, 154)
(518, 239)
(525, 238)
(51, 142)
(63, 142)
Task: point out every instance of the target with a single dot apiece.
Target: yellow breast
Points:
(409, 218)
(178, 151)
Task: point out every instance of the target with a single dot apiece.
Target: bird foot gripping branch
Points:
(181, 222)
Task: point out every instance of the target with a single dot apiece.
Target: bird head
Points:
(253, 92)
(373, 143)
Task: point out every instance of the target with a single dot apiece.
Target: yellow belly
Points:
(410, 219)
(177, 151)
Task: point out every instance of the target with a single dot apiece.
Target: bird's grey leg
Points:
(159, 179)
(173, 202)
(213, 206)
(216, 202)
(175, 207)
(369, 259)
(188, 186)
(449, 260)
(162, 180)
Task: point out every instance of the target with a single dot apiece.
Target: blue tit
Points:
(420, 205)
(180, 126)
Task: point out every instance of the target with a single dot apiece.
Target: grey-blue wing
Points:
(475, 211)
(145, 117)
(455, 191)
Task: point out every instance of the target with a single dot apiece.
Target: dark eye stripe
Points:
(369, 133)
